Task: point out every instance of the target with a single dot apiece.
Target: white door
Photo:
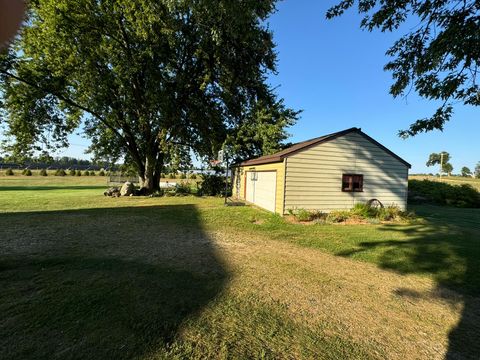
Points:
(261, 189)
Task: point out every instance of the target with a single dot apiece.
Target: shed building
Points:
(331, 172)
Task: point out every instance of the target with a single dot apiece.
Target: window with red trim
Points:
(352, 183)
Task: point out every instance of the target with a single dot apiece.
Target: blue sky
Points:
(333, 71)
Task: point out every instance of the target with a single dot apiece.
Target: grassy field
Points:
(89, 277)
(452, 180)
(51, 173)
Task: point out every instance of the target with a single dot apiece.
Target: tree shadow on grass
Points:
(451, 256)
(103, 283)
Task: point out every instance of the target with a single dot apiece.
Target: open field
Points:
(36, 180)
(85, 276)
(452, 180)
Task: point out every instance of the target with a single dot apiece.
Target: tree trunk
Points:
(157, 173)
(150, 178)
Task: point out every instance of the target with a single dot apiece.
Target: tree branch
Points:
(66, 100)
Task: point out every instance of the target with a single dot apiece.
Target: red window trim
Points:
(350, 179)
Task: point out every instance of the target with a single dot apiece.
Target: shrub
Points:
(183, 176)
(338, 216)
(78, 173)
(169, 193)
(101, 173)
(27, 172)
(9, 172)
(303, 215)
(171, 176)
(60, 172)
(441, 193)
(163, 176)
(92, 173)
(72, 172)
(193, 176)
(364, 211)
(213, 185)
(43, 172)
(308, 215)
(388, 213)
(86, 173)
(372, 215)
(318, 215)
(182, 189)
(158, 193)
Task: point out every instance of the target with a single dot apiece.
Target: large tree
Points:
(466, 172)
(442, 159)
(262, 132)
(439, 56)
(139, 77)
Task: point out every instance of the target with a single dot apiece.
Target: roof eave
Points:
(254, 162)
(280, 158)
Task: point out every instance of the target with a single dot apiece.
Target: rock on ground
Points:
(127, 189)
(113, 191)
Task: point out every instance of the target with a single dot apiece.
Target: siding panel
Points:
(314, 176)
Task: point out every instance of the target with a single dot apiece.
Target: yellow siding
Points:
(239, 182)
(314, 176)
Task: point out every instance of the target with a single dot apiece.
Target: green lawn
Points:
(452, 180)
(444, 244)
(89, 277)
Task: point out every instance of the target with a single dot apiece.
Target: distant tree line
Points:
(443, 159)
(47, 162)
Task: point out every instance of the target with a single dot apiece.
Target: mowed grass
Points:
(89, 277)
(452, 180)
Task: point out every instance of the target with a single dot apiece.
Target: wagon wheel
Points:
(375, 203)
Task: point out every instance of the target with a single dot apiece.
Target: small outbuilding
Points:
(331, 172)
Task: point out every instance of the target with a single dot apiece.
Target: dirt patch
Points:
(258, 222)
(293, 220)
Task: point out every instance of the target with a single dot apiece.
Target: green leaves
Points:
(139, 74)
(442, 159)
(439, 57)
(466, 172)
(263, 130)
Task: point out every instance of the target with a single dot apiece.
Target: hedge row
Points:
(440, 193)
